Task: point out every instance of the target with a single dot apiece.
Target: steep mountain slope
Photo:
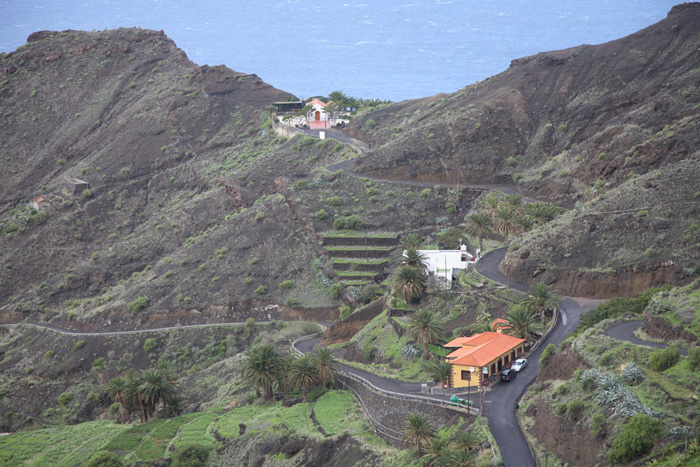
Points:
(569, 126)
(196, 209)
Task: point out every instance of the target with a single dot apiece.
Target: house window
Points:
(466, 375)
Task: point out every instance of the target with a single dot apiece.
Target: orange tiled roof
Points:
(318, 101)
(484, 348)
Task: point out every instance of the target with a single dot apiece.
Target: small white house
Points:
(445, 264)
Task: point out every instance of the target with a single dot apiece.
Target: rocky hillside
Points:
(196, 209)
(570, 126)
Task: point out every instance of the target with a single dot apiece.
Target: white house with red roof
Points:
(318, 118)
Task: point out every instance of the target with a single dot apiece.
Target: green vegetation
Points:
(637, 439)
(138, 305)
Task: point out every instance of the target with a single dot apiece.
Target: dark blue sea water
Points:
(386, 49)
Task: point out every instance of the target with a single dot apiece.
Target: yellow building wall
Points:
(458, 382)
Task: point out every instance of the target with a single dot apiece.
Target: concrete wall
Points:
(286, 131)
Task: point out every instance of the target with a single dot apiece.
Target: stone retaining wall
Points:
(391, 412)
(360, 241)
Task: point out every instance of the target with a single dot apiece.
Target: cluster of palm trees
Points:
(145, 393)
(267, 369)
(508, 215)
(458, 451)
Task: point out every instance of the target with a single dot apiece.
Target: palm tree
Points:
(515, 202)
(437, 446)
(261, 368)
(303, 373)
(326, 363)
(177, 403)
(283, 380)
(479, 225)
(456, 458)
(407, 283)
(541, 298)
(116, 390)
(412, 241)
(521, 322)
(412, 257)
(155, 388)
(491, 201)
(467, 440)
(439, 370)
(425, 326)
(417, 431)
(505, 222)
(134, 395)
(526, 223)
(543, 212)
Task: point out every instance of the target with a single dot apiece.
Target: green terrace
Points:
(359, 248)
(355, 282)
(357, 274)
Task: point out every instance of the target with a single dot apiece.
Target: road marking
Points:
(563, 317)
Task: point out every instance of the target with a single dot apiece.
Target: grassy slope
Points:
(673, 392)
(337, 412)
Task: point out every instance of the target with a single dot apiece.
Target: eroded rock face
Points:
(570, 441)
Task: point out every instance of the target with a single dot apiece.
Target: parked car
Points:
(508, 375)
(519, 364)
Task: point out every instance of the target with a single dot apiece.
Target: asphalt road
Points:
(625, 332)
(502, 398)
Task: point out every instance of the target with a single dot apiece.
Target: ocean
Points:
(380, 49)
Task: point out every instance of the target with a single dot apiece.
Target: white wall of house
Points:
(444, 264)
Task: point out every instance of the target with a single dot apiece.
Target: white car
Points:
(519, 364)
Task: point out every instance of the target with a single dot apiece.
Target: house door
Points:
(318, 116)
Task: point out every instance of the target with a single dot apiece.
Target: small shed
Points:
(75, 186)
(288, 107)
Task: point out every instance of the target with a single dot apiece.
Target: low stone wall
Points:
(388, 414)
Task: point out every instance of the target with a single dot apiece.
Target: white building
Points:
(445, 264)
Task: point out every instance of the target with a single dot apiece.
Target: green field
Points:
(337, 412)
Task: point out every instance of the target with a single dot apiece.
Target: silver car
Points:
(519, 364)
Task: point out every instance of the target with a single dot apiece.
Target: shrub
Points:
(426, 193)
(259, 217)
(79, 345)
(546, 355)
(372, 191)
(99, 363)
(517, 177)
(65, 398)
(103, 459)
(661, 360)
(574, 409)
(334, 201)
(261, 290)
(336, 291)
(190, 455)
(598, 425)
(49, 354)
(694, 358)
(369, 124)
(354, 222)
(451, 208)
(345, 312)
(632, 374)
(286, 285)
(321, 215)
(637, 439)
(150, 344)
(250, 322)
(340, 223)
(138, 304)
(611, 309)
(86, 194)
(293, 302)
